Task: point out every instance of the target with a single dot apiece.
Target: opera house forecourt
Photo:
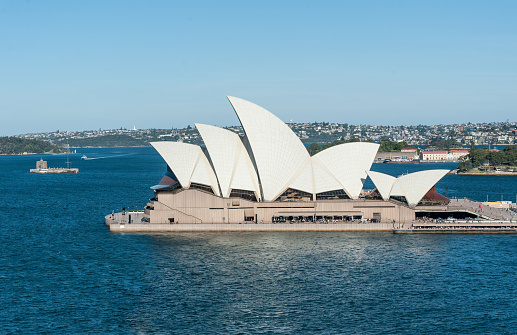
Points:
(266, 180)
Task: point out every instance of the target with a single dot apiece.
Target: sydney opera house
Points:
(268, 176)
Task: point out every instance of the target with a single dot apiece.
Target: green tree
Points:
(443, 144)
(314, 148)
(496, 158)
(477, 156)
(15, 146)
(389, 146)
(511, 155)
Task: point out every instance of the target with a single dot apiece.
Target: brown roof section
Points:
(433, 196)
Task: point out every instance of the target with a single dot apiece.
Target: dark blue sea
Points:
(62, 271)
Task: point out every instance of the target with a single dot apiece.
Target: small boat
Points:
(84, 157)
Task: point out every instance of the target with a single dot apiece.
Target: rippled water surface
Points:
(61, 271)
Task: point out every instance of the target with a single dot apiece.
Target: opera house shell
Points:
(268, 175)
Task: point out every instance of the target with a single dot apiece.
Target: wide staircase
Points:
(482, 210)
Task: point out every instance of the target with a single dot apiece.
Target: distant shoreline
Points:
(495, 173)
(69, 153)
(487, 174)
(418, 162)
(119, 146)
(34, 154)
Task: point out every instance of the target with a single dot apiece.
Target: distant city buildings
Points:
(456, 136)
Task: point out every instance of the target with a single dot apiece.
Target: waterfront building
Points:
(455, 155)
(409, 150)
(434, 155)
(406, 154)
(443, 155)
(267, 175)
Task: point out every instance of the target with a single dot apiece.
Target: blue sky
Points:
(81, 65)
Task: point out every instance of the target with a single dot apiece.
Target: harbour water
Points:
(61, 271)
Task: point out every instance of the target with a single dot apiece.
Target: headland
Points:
(488, 171)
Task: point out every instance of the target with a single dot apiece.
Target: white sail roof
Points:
(303, 179)
(324, 180)
(278, 152)
(233, 166)
(417, 184)
(271, 159)
(188, 162)
(348, 163)
(412, 186)
(383, 182)
(313, 177)
(397, 190)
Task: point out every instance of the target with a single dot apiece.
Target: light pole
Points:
(314, 220)
(399, 216)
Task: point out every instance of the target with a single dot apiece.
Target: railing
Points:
(123, 218)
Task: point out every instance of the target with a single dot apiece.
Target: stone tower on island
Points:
(41, 164)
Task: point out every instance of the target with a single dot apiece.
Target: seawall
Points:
(117, 226)
(457, 231)
(232, 227)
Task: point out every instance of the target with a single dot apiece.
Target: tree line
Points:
(385, 146)
(478, 157)
(16, 146)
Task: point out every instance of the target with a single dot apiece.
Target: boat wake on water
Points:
(112, 156)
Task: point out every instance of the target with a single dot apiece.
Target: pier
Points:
(489, 227)
(131, 222)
